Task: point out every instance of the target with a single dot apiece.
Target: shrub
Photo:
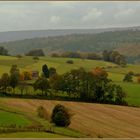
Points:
(61, 116)
(42, 113)
(70, 62)
(19, 56)
(35, 58)
(128, 77)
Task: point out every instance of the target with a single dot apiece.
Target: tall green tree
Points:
(42, 84)
(14, 81)
(120, 95)
(52, 71)
(45, 71)
(35, 58)
(14, 77)
(5, 81)
(15, 71)
(61, 116)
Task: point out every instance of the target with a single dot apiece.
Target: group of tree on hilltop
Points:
(110, 56)
(115, 57)
(36, 52)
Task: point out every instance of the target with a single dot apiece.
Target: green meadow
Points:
(11, 114)
(31, 135)
(115, 72)
(17, 119)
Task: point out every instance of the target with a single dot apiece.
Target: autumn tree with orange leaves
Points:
(138, 79)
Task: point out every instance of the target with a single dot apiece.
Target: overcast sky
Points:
(60, 15)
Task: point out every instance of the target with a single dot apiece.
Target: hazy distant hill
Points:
(126, 42)
(20, 35)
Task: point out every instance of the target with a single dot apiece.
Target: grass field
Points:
(25, 115)
(31, 135)
(116, 73)
(133, 92)
(27, 63)
(9, 118)
(123, 70)
(92, 119)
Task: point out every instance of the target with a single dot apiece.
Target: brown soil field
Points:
(108, 121)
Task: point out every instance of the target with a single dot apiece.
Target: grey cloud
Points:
(66, 14)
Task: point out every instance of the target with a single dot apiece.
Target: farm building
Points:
(35, 74)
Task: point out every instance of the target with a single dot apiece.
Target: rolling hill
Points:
(115, 72)
(28, 34)
(89, 119)
(96, 120)
(127, 42)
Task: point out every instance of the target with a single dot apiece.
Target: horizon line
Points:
(95, 28)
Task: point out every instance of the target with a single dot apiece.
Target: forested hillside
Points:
(28, 34)
(126, 42)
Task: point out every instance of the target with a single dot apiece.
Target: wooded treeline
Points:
(112, 40)
(78, 84)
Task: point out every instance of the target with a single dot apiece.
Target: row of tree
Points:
(36, 52)
(114, 56)
(91, 86)
(10, 80)
(94, 86)
(110, 56)
(92, 55)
